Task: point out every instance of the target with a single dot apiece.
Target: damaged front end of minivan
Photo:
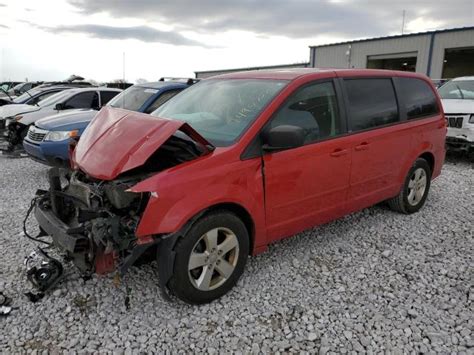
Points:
(90, 211)
(93, 221)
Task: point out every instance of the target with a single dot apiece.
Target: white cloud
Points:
(51, 40)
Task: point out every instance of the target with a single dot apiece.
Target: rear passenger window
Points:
(88, 99)
(372, 103)
(106, 96)
(162, 99)
(313, 108)
(418, 98)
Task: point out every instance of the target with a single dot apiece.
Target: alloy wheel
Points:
(213, 259)
(417, 186)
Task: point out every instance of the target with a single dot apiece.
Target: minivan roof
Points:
(293, 73)
(464, 78)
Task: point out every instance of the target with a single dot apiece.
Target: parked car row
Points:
(209, 173)
(10, 90)
(26, 103)
(5, 86)
(48, 139)
(18, 118)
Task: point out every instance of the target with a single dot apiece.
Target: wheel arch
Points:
(430, 159)
(426, 155)
(239, 211)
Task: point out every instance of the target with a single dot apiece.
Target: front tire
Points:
(415, 189)
(210, 258)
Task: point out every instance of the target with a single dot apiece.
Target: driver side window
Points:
(313, 108)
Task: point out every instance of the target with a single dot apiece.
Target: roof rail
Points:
(68, 83)
(189, 81)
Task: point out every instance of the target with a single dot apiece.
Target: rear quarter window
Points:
(417, 98)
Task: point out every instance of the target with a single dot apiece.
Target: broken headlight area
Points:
(94, 221)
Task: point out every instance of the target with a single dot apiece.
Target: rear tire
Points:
(415, 189)
(210, 258)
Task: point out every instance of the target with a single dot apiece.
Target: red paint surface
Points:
(105, 263)
(303, 187)
(119, 140)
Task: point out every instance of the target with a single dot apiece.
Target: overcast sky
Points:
(49, 40)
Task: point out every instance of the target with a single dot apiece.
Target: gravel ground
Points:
(371, 282)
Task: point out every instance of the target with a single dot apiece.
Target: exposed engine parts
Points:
(97, 219)
(94, 221)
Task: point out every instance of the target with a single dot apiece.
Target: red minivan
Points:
(237, 162)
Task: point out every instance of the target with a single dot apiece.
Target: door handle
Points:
(339, 152)
(362, 146)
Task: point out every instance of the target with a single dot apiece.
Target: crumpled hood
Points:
(119, 140)
(458, 106)
(13, 110)
(70, 119)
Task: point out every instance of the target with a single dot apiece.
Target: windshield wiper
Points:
(460, 91)
(27, 92)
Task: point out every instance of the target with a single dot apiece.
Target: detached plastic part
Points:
(46, 274)
(5, 302)
(5, 311)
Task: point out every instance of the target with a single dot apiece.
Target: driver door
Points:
(308, 185)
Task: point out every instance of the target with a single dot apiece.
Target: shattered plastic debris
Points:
(34, 297)
(5, 302)
(4, 310)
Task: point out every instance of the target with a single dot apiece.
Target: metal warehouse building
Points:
(207, 74)
(438, 54)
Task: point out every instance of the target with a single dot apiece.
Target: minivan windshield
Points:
(56, 98)
(457, 89)
(133, 98)
(221, 109)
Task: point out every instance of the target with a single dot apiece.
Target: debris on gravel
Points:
(374, 281)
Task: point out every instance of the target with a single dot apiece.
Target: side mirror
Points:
(59, 107)
(283, 137)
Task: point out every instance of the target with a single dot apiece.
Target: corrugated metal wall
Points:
(335, 56)
(448, 40)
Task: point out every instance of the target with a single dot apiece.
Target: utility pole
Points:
(403, 21)
(2, 64)
(123, 67)
(123, 78)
